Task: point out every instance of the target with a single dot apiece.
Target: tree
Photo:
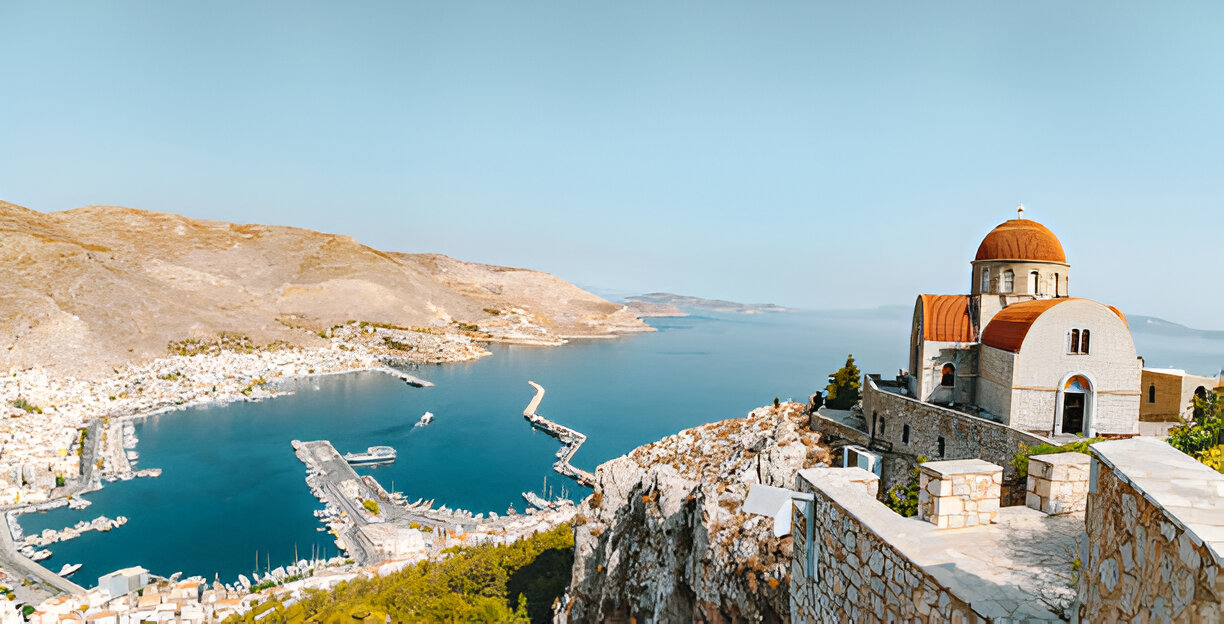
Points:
(844, 385)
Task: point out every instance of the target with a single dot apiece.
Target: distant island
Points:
(674, 305)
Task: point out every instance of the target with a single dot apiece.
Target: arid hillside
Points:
(100, 286)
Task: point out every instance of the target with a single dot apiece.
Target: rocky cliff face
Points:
(662, 539)
(95, 287)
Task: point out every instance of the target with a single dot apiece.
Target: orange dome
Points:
(1021, 239)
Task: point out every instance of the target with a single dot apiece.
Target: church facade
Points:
(1020, 350)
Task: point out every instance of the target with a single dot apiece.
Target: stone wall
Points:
(872, 565)
(1155, 528)
(963, 436)
(959, 493)
(995, 380)
(1058, 483)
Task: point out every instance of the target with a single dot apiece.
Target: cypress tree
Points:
(844, 385)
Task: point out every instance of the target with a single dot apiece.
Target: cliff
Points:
(101, 286)
(662, 538)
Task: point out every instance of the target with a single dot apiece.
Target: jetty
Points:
(411, 380)
(571, 440)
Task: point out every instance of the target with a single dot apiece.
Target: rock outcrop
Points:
(662, 538)
(98, 287)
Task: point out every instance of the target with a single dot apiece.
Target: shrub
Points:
(903, 497)
(1021, 461)
(371, 505)
(22, 404)
(1202, 434)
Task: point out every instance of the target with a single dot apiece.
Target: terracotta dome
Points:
(1021, 239)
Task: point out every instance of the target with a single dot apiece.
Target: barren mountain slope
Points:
(98, 286)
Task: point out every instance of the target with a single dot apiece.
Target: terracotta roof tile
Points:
(1009, 327)
(946, 318)
(1021, 239)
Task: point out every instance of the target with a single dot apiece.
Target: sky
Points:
(812, 154)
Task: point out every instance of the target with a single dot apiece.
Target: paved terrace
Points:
(1012, 569)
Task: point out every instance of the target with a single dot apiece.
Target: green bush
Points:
(1203, 437)
(371, 505)
(903, 497)
(1021, 461)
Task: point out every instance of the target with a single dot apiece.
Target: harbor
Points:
(372, 525)
(571, 440)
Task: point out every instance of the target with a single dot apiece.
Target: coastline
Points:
(103, 406)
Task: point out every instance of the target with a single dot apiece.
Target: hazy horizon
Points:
(812, 156)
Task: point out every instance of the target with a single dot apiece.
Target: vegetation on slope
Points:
(515, 583)
(1201, 438)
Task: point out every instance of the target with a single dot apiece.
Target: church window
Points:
(1009, 281)
(1032, 283)
(940, 444)
(985, 279)
(1078, 344)
(1057, 285)
(1152, 393)
(905, 434)
(949, 376)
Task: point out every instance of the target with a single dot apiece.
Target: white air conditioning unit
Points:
(857, 456)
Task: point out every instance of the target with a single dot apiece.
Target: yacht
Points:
(373, 455)
(426, 419)
(68, 569)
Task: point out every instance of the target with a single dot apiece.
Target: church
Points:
(1020, 350)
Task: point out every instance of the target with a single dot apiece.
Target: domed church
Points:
(1019, 349)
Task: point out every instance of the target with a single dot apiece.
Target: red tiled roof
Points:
(946, 318)
(1009, 327)
(1021, 239)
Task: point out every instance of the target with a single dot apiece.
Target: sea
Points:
(232, 496)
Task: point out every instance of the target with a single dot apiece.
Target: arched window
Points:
(1032, 283)
(1084, 342)
(1152, 393)
(1057, 286)
(1075, 342)
(948, 378)
(1009, 281)
(985, 280)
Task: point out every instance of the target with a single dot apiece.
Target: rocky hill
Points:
(101, 286)
(662, 538)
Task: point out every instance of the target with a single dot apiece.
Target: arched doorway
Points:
(1076, 403)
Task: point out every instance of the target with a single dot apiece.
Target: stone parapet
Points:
(959, 493)
(1155, 527)
(1058, 483)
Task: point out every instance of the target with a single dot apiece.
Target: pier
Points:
(571, 440)
(411, 380)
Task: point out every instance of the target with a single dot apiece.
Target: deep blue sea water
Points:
(231, 485)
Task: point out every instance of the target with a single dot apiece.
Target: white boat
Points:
(426, 418)
(373, 455)
(42, 554)
(68, 569)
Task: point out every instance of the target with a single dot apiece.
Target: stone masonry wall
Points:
(960, 493)
(963, 436)
(1058, 483)
(859, 577)
(1154, 524)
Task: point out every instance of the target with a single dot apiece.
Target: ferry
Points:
(426, 418)
(373, 455)
(68, 569)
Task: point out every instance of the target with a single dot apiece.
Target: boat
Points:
(373, 455)
(426, 418)
(68, 569)
(42, 554)
(535, 501)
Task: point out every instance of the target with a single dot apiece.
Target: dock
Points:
(411, 380)
(570, 440)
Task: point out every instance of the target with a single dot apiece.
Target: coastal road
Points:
(21, 565)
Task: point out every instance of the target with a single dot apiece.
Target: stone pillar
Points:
(1058, 483)
(959, 493)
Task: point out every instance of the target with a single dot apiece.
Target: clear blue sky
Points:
(822, 155)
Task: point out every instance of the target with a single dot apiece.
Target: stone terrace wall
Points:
(1155, 525)
(859, 576)
(1058, 482)
(964, 436)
